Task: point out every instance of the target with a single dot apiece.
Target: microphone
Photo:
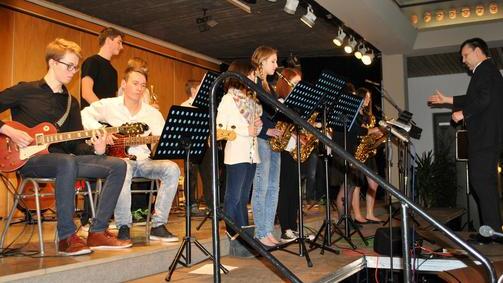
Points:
(488, 232)
(372, 82)
(405, 127)
(396, 133)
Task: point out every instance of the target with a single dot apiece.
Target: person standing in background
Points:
(99, 77)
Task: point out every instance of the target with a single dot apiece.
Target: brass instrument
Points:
(279, 143)
(153, 96)
(369, 143)
(309, 145)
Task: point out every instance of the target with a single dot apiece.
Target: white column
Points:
(394, 74)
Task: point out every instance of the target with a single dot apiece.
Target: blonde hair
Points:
(138, 63)
(259, 55)
(57, 49)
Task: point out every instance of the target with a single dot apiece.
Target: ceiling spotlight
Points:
(368, 57)
(361, 50)
(340, 37)
(350, 45)
(291, 6)
(309, 17)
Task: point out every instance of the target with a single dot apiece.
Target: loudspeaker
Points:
(462, 145)
(382, 241)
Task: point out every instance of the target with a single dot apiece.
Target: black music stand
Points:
(342, 119)
(202, 101)
(184, 137)
(332, 85)
(303, 99)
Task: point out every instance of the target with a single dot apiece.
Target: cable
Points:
(376, 271)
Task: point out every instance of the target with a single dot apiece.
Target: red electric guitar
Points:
(119, 148)
(13, 157)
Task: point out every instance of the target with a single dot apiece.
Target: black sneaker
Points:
(124, 233)
(160, 233)
(196, 212)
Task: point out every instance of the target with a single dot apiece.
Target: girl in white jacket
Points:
(239, 112)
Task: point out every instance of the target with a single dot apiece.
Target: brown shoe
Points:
(106, 241)
(73, 245)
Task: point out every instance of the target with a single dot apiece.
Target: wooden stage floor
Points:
(149, 263)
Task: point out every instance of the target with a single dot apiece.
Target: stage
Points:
(149, 263)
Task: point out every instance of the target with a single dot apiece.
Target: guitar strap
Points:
(62, 120)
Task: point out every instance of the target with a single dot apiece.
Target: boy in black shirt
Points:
(99, 77)
(46, 101)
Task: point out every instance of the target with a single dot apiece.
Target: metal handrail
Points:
(405, 202)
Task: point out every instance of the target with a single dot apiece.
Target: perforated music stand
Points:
(342, 118)
(202, 99)
(303, 99)
(184, 136)
(332, 85)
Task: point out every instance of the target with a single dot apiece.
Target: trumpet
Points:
(153, 97)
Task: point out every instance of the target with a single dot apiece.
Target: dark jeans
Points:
(482, 166)
(288, 203)
(239, 183)
(66, 168)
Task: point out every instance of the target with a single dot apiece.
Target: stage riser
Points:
(114, 269)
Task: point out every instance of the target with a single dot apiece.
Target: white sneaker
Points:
(289, 236)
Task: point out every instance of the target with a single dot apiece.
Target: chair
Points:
(152, 189)
(36, 182)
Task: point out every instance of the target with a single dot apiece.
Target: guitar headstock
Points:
(129, 129)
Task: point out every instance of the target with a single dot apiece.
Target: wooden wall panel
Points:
(31, 36)
(6, 34)
(25, 36)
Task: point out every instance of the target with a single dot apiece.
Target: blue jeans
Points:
(164, 170)
(66, 168)
(239, 181)
(265, 189)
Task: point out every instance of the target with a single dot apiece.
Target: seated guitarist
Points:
(130, 108)
(46, 100)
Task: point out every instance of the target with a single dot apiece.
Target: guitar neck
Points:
(130, 141)
(70, 136)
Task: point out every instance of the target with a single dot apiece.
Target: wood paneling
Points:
(6, 34)
(25, 36)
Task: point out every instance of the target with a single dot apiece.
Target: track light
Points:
(368, 57)
(340, 37)
(350, 45)
(361, 50)
(309, 18)
(291, 6)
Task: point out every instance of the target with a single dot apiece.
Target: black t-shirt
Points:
(104, 76)
(32, 103)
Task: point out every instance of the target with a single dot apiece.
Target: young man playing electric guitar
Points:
(130, 108)
(48, 100)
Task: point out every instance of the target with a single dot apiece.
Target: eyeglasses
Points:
(69, 67)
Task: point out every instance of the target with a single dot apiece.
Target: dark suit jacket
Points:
(483, 107)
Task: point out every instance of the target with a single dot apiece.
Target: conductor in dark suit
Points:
(482, 111)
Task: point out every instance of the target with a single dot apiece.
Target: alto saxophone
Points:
(369, 143)
(309, 145)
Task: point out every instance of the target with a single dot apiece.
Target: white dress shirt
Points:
(114, 112)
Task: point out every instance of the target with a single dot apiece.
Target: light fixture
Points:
(368, 57)
(361, 50)
(340, 37)
(350, 45)
(309, 18)
(291, 6)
